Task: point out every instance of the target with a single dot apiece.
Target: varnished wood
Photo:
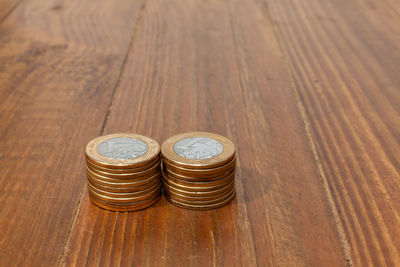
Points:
(214, 66)
(344, 59)
(308, 91)
(59, 63)
(7, 7)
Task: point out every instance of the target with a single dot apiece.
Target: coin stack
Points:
(123, 172)
(199, 170)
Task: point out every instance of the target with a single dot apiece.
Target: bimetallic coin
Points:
(113, 189)
(125, 207)
(204, 194)
(150, 194)
(122, 176)
(201, 207)
(123, 194)
(122, 184)
(195, 188)
(126, 170)
(198, 150)
(199, 200)
(181, 180)
(201, 174)
(118, 151)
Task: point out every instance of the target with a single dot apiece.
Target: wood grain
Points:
(7, 7)
(215, 66)
(59, 64)
(344, 58)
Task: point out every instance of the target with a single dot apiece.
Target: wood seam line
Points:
(123, 66)
(61, 260)
(10, 11)
(237, 59)
(307, 126)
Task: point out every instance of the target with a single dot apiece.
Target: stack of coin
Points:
(123, 172)
(199, 170)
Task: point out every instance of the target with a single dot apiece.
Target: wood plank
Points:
(59, 64)
(344, 57)
(215, 66)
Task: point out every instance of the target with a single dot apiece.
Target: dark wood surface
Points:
(308, 91)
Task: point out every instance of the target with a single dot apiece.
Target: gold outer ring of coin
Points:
(123, 195)
(151, 194)
(200, 173)
(124, 189)
(135, 175)
(198, 183)
(195, 189)
(228, 152)
(201, 207)
(185, 200)
(122, 208)
(94, 156)
(126, 170)
(209, 194)
(122, 184)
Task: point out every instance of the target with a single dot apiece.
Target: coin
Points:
(198, 150)
(118, 151)
(150, 194)
(184, 181)
(123, 194)
(200, 173)
(126, 170)
(201, 207)
(195, 187)
(127, 207)
(113, 189)
(122, 184)
(135, 175)
(200, 200)
(211, 193)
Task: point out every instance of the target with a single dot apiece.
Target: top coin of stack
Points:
(199, 170)
(123, 171)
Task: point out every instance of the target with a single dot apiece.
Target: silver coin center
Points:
(198, 148)
(122, 148)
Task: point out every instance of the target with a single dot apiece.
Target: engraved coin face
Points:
(122, 148)
(198, 148)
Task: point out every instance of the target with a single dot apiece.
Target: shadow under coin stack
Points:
(199, 170)
(123, 172)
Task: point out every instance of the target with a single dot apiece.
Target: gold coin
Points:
(205, 194)
(124, 180)
(201, 207)
(91, 165)
(121, 183)
(180, 179)
(114, 200)
(197, 200)
(124, 189)
(200, 173)
(131, 207)
(198, 186)
(194, 190)
(123, 194)
(122, 150)
(136, 175)
(198, 150)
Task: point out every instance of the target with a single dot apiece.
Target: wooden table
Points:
(309, 91)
